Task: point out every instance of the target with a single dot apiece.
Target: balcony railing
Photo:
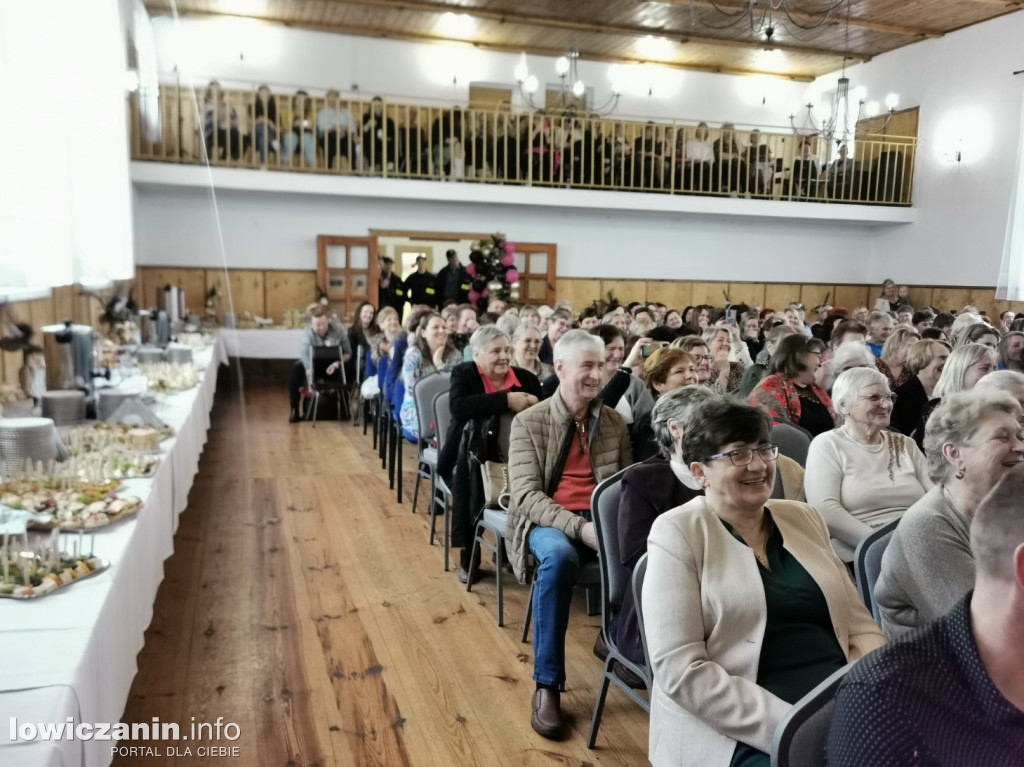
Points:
(325, 134)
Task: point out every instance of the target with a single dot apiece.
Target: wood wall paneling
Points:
(288, 290)
(247, 290)
(711, 293)
(218, 278)
(675, 295)
(581, 292)
(812, 296)
(851, 296)
(777, 295)
(749, 293)
(624, 290)
(951, 298)
(63, 304)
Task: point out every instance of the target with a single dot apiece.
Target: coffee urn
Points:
(68, 350)
(174, 303)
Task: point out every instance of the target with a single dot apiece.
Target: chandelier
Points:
(764, 17)
(842, 124)
(572, 91)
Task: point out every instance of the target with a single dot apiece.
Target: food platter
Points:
(68, 504)
(71, 570)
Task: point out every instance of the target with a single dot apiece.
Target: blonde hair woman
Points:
(892, 361)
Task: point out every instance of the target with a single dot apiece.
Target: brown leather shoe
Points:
(600, 647)
(547, 713)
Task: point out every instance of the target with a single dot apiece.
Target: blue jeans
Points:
(291, 143)
(558, 564)
(264, 135)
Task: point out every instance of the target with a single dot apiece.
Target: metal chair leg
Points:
(399, 438)
(499, 573)
(392, 451)
(316, 406)
(474, 550)
(447, 534)
(602, 694)
(529, 608)
(416, 485)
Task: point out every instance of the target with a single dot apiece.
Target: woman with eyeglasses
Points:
(527, 342)
(861, 476)
(746, 607)
(789, 394)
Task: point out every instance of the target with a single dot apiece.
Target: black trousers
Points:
(296, 381)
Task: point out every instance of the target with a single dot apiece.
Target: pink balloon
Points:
(471, 269)
(473, 296)
(512, 275)
(508, 259)
(485, 293)
(510, 248)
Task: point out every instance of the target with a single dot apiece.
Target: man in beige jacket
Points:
(560, 450)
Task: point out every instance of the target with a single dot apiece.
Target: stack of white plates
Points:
(150, 354)
(23, 439)
(180, 354)
(109, 400)
(64, 405)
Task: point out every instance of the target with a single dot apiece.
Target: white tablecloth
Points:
(73, 653)
(278, 344)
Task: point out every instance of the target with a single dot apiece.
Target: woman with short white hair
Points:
(1009, 381)
(860, 476)
(973, 439)
(848, 355)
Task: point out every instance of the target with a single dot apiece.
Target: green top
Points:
(800, 648)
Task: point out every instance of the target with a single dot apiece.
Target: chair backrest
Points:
(867, 564)
(801, 735)
(505, 433)
(423, 394)
(442, 416)
(323, 357)
(604, 510)
(639, 573)
(793, 441)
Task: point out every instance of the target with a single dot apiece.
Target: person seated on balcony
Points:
(731, 173)
(300, 117)
(412, 144)
(336, 129)
(622, 157)
(700, 156)
(649, 151)
(321, 332)
(839, 175)
(220, 125)
(760, 168)
(474, 145)
(806, 169)
(595, 154)
(560, 450)
(506, 152)
(378, 138)
(542, 160)
(264, 115)
(446, 139)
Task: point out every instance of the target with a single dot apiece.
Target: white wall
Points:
(968, 100)
(278, 231)
(243, 52)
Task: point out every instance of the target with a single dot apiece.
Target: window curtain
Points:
(1011, 270)
(65, 190)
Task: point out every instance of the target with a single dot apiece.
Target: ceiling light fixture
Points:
(572, 89)
(764, 18)
(843, 123)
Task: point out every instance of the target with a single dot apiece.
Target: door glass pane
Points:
(539, 263)
(520, 262)
(359, 257)
(336, 284)
(337, 257)
(537, 290)
(359, 285)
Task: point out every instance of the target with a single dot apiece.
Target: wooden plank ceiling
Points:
(692, 34)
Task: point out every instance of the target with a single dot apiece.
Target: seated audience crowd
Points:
(757, 450)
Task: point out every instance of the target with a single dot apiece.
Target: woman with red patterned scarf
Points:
(788, 394)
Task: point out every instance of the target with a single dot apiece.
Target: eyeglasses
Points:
(878, 399)
(705, 357)
(742, 456)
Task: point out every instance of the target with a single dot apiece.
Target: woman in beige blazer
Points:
(746, 606)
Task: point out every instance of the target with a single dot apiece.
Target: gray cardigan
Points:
(927, 567)
(335, 336)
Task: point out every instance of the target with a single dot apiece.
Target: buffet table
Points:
(263, 343)
(73, 653)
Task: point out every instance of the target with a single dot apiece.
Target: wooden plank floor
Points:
(304, 604)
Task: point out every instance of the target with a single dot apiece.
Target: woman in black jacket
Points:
(481, 392)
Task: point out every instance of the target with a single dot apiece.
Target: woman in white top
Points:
(860, 476)
(700, 155)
